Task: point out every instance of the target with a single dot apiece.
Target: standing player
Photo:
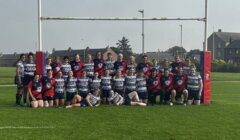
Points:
(29, 71)
(82, 84)
(167, 87)
(130, 82)
(59, 90)
(19, 78)
(132, 64)
(71, 87)
(154, 87)
(48, 89)
(106, 81)
(144, 65)
(88, 66)
(77, 66)
(118, 83)
(99, 64)
(130, 99)
(142, 87)
(155, 65)
(109, 64)
(92, 100)
(186, 66)
(35, 92)
(194, 87)
(165, 65)
(56, 66)
(180, 81)
(65, 68)
(176, 64)
(120, 64)
(95, 83)
(48, 65)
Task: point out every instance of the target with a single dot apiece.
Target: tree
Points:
(176, 50)
(124, 47)
(192, 53)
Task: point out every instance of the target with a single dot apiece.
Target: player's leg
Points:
(196, 98)
(40, 103)
(61, 99)
(133, 96)
(173, 96)
(185, 96)
(50, 101)
(56, 99)
(190, 97)
(34, 104)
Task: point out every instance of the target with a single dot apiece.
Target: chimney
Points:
(219, 30)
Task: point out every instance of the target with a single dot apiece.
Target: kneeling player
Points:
(91, 100)
(130, 99)
(35, 92)
(180, 86)
(48, 89)
(194, 86)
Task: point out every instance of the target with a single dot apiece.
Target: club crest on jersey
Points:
(145, 69)
(76, 67)
(155, 83)
(120, 68)
(48, 85)
(57, 68)
(180, 82)
(39, 89)
(100, 65)
(167, 83)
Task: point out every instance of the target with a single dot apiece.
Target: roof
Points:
(92, 51)
(234, 44)
(226, 36)
(9, 56)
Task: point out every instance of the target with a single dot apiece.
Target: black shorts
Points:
(59, 95)
(128, 91)
(127, 100)
(193, 94)
(48, 98)
(119, 91)
(105, 93)
(30, 99)
(83, 94)
(143, 95)
(27, 79)
(70, 96)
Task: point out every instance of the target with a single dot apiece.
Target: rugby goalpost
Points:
(205, 56)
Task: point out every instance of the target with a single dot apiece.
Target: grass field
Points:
(220, 120)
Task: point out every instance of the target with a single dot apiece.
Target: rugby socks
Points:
(18, 99)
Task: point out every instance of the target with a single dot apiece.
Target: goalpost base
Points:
(40, 63)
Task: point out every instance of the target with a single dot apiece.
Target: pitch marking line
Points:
(25, 127)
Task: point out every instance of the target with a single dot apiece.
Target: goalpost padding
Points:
(41, 63)
(205, 68)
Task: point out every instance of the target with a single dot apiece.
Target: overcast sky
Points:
(18, 23)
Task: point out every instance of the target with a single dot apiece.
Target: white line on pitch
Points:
(25, 127)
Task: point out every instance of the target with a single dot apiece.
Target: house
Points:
(84, 52)
(160, 56)
(9, 60)
(232, 52)
(218, 41)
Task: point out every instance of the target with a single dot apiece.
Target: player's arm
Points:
(18, 74)
(98, 103)
(88, 101)
(120, 100)
(200, 87)
(30, 91)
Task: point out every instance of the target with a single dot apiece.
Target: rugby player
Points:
(118, 83)
(88, 66)
(106, 81)
(35, 92)
(82, 85)
(144, 66)
(77, 66)
(121, 64)
(142, 87)
(109, 64)
(65, 68)
(95, 83)
(177, 63)
(132, 64)
(59, 90)
(56, 66)
(48, 89)
(71, 87)
(99, 64)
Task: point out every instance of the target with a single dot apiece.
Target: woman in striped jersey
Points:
(59, 90)
(106, 81)
(194, 87)
(131, 99)
(130, 82)
(71, 87)
(65, 68)
(88, 66)
(82, 84)
(142, 87)
(118, 83)
(132, 64)
(109, 64)
(95, 83)
(92, 100)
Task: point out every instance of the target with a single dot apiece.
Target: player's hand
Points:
(200, 94)
(34, 99)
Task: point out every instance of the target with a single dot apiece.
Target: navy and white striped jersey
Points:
(89, 68)
(93, 99)
(115, 98)
(20, 65)
(71, 85)
(141, 84)
(95, 84)
(106, 82)
(65, 69)
(119, 83)
(130, 82)
(59, 85)
(82, 84)
(193, 82)
(29, 69)
(110, 66)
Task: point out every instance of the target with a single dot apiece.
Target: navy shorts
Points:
(143, 95)
(48, 98)
(83, 103)
(70, 96)
(127, 100)
(128, 91)
(59, 95)
(119, 91)
(27, 79)
(193, 94)
(30, 99)
(105, 93)
(83, 94)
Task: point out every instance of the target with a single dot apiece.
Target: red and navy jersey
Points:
(145, 67)
(36, 89)
(167, 83)
(55, 67)
(121, 65)
(77, 68)
(99, 66)
(154, 84)
(180, 82)
(175, 66)
(48, 86)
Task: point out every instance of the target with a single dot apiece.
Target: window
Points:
(219, 53)
(237, 51)
(230, 52)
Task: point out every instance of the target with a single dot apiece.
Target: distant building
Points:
(84, 52)
(8, 60)
(219, 41)
(160, 56)
(232, 52)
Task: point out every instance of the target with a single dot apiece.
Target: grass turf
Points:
(220, 120)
